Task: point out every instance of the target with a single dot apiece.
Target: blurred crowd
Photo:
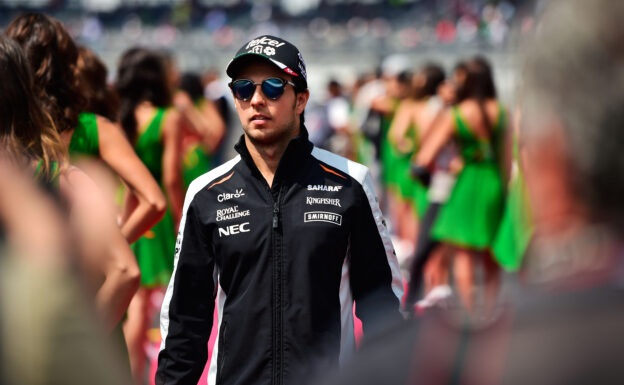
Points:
(478, 196)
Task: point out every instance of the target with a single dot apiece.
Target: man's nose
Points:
(258, 97)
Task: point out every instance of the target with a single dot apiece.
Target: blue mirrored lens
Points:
(243, 89)
(273, 88)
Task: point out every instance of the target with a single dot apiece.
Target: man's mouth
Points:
(259, 118)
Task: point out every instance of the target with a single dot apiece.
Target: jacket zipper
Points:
(277, 291)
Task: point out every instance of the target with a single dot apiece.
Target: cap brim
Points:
(245, 58)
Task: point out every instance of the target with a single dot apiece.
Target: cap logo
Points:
(264, 41)
(288, 70)
(256, 49)
(270, 51)
(302, 66)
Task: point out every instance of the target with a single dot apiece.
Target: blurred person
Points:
(516, 228)
(410, 126)
(47, 333)
(92, 73)
(564, 325)
(66, 86)
(285, 236)
(27, 132)
(217, 91)
(429, 268)
(105, 262)
(203, 128)
(337, 131)
(468, 221)
(396, 181)
(155, 131)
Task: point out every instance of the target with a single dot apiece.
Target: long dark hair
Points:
(434, 76)
(26, 131)
(141, 76)
(479, 85)
(92, 73)
(52, 55)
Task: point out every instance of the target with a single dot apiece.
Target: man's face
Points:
(267, 121)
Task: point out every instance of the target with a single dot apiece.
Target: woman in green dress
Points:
(154, 129)
(28, 137)
(468, 222)
(61, 77)
(203, 128)
(51, 56)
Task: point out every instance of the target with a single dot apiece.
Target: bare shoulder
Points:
(471, 110)
(172, 121)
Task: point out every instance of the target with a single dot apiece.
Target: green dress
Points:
(154, 250)
(516, 227)
(397, 168)
(471, 216)
(195, 163)
(85, 140)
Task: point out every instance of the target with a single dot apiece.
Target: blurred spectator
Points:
(47, 334)
(202, 128)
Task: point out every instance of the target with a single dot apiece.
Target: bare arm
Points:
(33, 224)
(438, 137)
(105, 254)
(172, 173)
(204, 121)
(382, 105)
(117, 152)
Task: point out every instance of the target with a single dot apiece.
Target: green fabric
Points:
(471, 216)
(154, 250)
(149, 145)
(397, 166)
(516, 228)
(195, 163)
(54, 173)
(85, 139)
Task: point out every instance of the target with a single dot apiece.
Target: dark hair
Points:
(52, 55)
(26, 131)
(404, 77)
(479, 80)
(434, 76)
(479, 84)
(141, 76)
(192, 85)
(92, 73)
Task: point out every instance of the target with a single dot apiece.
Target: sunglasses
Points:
(272, 88)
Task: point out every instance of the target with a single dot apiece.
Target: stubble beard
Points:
(279, 137)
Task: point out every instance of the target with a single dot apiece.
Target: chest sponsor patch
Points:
(322, 187)
(322, 216)
(234, 229)
(227, 196)
(231, 213)
(323, 201)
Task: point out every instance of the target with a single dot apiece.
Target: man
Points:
(285, 235)
(565, 326)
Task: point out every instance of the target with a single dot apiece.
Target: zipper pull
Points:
(275, 216)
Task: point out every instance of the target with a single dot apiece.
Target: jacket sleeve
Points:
(187, 310)
(375, 276)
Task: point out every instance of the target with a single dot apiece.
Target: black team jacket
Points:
(285, 263)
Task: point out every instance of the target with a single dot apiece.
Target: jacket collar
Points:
(298, 149)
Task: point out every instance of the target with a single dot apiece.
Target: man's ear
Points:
(301, 101)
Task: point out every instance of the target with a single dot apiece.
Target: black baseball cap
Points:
(275, 50)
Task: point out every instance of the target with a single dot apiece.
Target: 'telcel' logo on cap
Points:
(264, 41)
